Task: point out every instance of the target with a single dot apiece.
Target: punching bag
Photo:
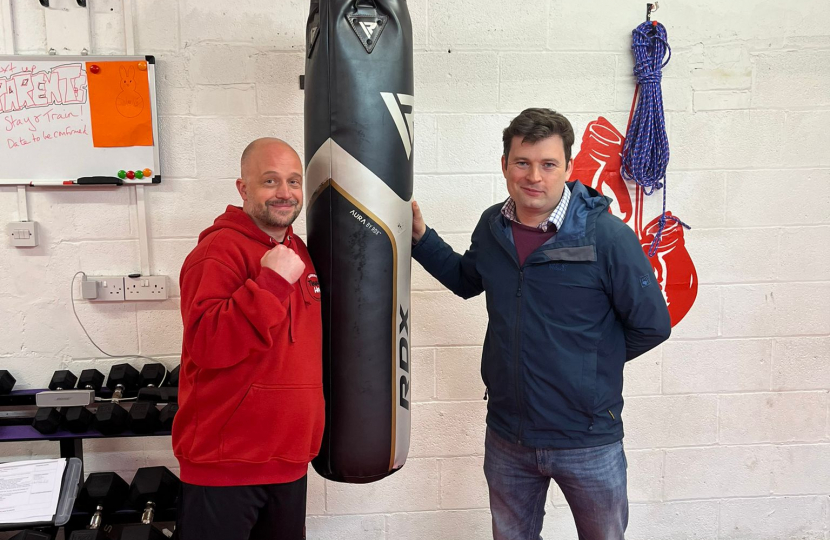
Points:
(359, 151)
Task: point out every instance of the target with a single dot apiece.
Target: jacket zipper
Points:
(517, 355)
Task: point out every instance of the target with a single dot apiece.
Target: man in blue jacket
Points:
(570, 298)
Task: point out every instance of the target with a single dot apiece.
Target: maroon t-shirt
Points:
(527, 239)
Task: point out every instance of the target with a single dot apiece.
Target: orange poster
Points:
(119, 101)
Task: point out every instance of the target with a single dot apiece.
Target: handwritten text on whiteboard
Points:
(62, 85)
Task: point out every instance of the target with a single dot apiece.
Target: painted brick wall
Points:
(727, 423)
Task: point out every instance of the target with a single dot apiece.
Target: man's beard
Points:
(264, 215)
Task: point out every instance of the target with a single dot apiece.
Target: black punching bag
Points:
(358, 150)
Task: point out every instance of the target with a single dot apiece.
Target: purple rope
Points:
(645, 155)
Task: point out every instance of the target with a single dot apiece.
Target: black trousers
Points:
(272, 511)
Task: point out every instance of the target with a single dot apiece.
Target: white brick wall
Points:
(727, 426)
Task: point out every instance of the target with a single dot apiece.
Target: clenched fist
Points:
(284, 262)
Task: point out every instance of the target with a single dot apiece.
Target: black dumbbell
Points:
(63, 379)
(91, 379)
(152, 375)
(101, 492)
(144, 417)
(48, 419)
(152, 488)
(123, 378)
(111, 418)
(6, 381)
(159, 395)
(31, 535)
(173, 377)
(168, 412)
(79, 419)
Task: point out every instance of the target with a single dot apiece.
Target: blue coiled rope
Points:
(645, 155)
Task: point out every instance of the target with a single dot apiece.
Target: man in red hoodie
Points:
(250, 392)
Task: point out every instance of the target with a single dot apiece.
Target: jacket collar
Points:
(576, 239)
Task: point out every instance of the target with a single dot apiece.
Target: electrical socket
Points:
(145, 288)
(110, 289)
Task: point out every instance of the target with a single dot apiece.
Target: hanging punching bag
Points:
(359, 151)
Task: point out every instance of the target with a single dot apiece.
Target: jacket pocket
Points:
(275, 422)
(588, 384)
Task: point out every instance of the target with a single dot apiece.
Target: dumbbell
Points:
(91, 379)
(152, 487)
(102, 492)
(31, 535)
(152, 375)
(48, 419)
(111, 418)
(144, 416)
(168, 412)
(79, 419)
(173, 377)
(6, 381)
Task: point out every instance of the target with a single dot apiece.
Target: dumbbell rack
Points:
(71, 445)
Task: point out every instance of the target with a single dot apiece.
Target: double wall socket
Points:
(103, 289)
(145, 288)
(121, 288)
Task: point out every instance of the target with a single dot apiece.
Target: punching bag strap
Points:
(313, 28)
(367, 22)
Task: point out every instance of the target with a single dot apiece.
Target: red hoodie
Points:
(251, 408)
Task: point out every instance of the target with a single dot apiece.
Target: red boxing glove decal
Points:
(673, 267)
(598, 165)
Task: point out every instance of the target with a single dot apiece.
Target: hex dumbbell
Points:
(102, 492)
(152, 488)
(111, 418)
(79, 419)
(6, 381)
(31, 535)
(173, 377)
(48, 419)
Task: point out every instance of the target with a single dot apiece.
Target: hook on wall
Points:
(651, 8)
(81, 3)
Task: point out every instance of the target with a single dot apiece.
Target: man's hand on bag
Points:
(284, 262)
(419, 228)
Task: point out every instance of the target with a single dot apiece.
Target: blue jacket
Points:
(562, 325)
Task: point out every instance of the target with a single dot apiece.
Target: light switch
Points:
(23, 233)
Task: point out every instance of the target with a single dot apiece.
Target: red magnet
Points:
(95, 69)
(130, 175)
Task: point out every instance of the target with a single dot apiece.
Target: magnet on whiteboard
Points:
(142, 66)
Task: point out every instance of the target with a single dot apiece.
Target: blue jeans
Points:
(593, 481)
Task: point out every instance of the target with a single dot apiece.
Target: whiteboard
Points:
(46, 129)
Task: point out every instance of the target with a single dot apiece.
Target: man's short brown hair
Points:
(534, 125)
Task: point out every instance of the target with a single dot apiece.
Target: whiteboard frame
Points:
(72, 182)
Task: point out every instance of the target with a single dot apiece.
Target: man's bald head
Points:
(271, 184)
(251, 151)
